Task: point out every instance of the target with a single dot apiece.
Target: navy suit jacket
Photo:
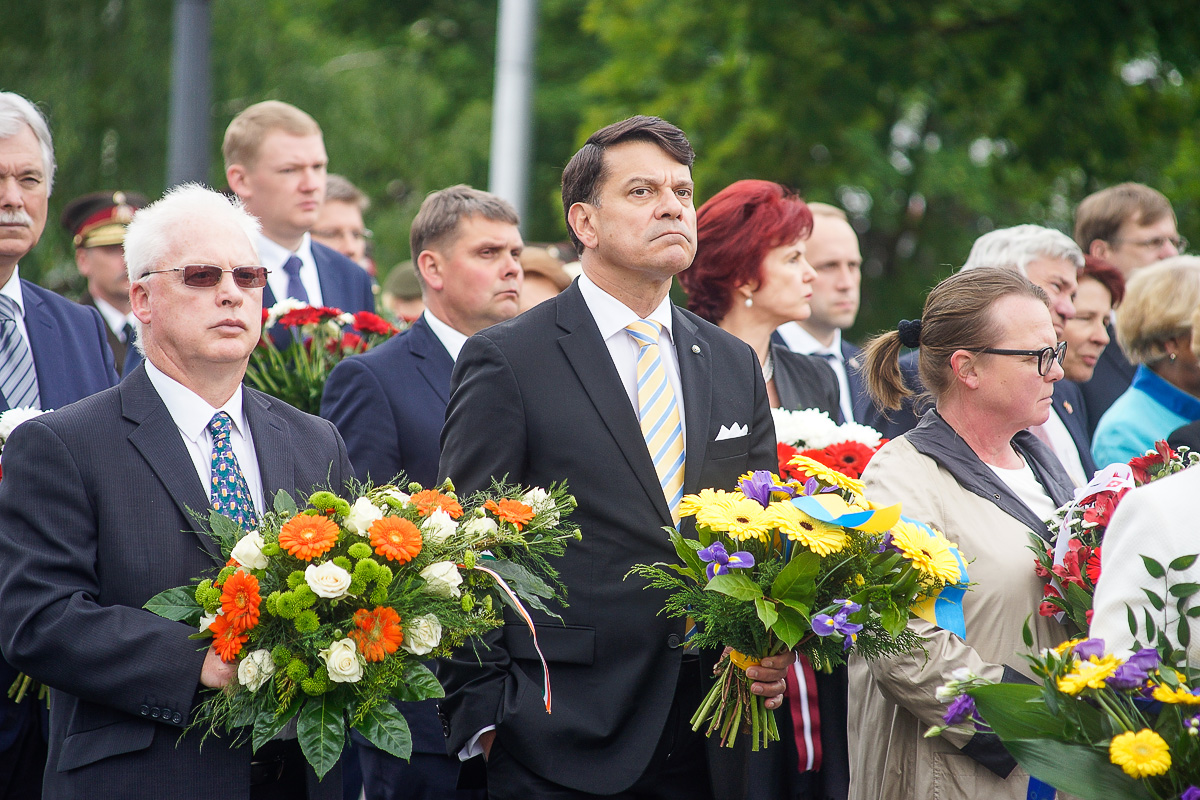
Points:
(1111, 378)
(538, 399)
(344, 284)
(95, 519)
(852, 356)
(1072, 409)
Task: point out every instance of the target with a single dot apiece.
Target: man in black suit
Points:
(97, 223)
(1130, 226)
(553, 396)
(390, 404)
(52, 352)
(834, 254)
(275, 162)
(98, 514)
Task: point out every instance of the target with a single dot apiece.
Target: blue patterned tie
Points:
(295, 285)
(658, 413)
(230, 495)
(18, 378)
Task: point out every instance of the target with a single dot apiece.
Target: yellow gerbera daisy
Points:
(735, 514)
(1089, 674)
(930, 555)
(691, 503)
(820, 537)
(1067, 645)
(1182, 694)
(1140, 754)
(828, 476)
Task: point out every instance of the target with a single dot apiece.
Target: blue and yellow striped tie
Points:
(658, 413)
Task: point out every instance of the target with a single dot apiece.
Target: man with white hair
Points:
(97, 513)
(52, 353)
(1051, 260)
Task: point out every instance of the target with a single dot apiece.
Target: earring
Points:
(1171, 357)
(749, 302)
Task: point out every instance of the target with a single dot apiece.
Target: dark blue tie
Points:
(230, 494)
(295, 285)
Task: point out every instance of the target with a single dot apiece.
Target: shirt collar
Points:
(115, 320)
(451, 339)
(273, 255)
(612, 315)
(801, 341)
(190, 411)
(12, 289)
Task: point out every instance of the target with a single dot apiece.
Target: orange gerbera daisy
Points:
(240, 600)
(227, 640)
(377, 633)
(513, 511)
(307, 537)
(428, 501)
(396, 539)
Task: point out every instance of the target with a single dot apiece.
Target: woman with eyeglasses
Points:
(1154, 327)
(988, 353)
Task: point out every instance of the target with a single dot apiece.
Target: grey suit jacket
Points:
(95, 519)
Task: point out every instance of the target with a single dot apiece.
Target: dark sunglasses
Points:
(206, 276)
(1045, 356)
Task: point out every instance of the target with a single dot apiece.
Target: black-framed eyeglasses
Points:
(206, 276)
(1045, 356)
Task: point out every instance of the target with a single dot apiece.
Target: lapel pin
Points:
(696, 349)
(1067, 406)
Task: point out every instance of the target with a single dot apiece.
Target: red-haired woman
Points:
(750, 276)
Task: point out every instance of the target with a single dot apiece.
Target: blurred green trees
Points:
(931, 122)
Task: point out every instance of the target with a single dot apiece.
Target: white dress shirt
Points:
(1064, 447)
(192, 414)
(273, 256)
(799, 340)
(450, 338)
(114, 319)
(12, 289)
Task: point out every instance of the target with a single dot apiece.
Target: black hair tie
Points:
(910, 332)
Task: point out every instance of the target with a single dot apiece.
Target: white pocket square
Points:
(733, 431)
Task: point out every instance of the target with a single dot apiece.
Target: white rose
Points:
(438, 526)
(256, 669)
(248, 551)
(422, 634)
(481, 526)
(442, 579)
(341, 661)
(327, 580)
(206, 620)
(541, 502)
(362, 514)
(393, 493)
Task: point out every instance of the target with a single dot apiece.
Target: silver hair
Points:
(16, 111)
(150, 238)
(1015, 247)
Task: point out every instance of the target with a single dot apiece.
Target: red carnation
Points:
(786, 452)
(308, 315)
(367, 322)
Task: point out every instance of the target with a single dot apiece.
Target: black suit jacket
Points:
(538, 399)
(805, 382)
(1111, 378)
(95, 520)
(860, 400)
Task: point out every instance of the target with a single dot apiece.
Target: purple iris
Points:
(1190, 793)
(759, 486)
(825, 625)
(1090, 648)
(1133, 673)
(885, 544)
(720, 562)
(960, 710)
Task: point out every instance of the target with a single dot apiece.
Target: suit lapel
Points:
(433, 362)
(158, 440)
(45, 344)
(589, 358)
(272, 446)
(333, 292)
(695, 377)
(859, 399)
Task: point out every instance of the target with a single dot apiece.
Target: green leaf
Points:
(1154, 599)
(178, 604)
(766, 612)
(1132, 620)
(419, 684)
(1183, 562)
(1183, 589)
(1194, 612)
(1153, 567)
(1184, 633)
(1027, 633)
(322, 732)
(1075, 769)
(801, 608)
(736, 585)
(285, 504)
(791, 626)
(797, 580)
(1019, 711)
(267, 724)
(893, 620)
(386, 728)
(686, 550)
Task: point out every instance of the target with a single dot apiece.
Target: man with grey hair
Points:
(1051, 260)
(80, 560)
(390, 403)
(52, 353)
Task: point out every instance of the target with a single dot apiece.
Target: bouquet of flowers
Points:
(806, 564)
(318, 337)
(811, 433)
(1101, 725)
(330, 610)
(1072, 565)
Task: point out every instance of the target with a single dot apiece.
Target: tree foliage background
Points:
(930, 122)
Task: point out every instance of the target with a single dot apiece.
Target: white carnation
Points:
(422, 634)
(341, 661)
(854, 432)
(438, 526)
(255, 669)
(14, 417)
(803, 428)
(362, 515)
(248, 551)
(481, 526)
(327, 580)
(442, 579)
(283, 307)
